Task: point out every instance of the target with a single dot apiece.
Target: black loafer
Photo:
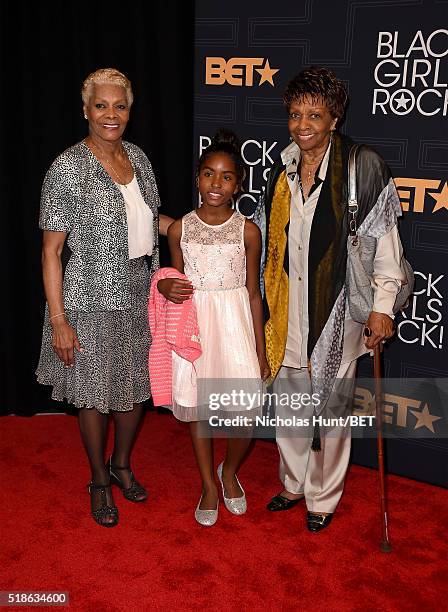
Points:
(317, 522)
(279, 503)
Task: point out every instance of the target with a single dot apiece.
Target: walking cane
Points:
(385, 545)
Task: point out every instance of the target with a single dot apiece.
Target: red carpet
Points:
(159, 558)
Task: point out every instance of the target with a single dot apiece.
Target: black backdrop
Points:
(245, 54)
(47, 49)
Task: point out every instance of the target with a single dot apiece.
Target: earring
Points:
(85, 116)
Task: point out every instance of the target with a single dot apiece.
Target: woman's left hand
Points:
(381, 327)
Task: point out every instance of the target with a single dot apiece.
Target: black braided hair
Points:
(224, 141)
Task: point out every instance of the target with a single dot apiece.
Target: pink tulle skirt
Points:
(228, 361)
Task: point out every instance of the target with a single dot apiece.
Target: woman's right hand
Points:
(175, 290)
(64, 342)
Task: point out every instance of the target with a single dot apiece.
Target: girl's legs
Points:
(93, 425)
(203, 449)
(126, 428)
(236, 451)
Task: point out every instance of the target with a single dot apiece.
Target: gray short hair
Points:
(109, 76)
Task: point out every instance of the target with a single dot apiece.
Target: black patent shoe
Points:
(317, 522)
(279, 503)
(104, 515)
(134, 493)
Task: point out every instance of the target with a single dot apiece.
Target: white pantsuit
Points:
(320, 475)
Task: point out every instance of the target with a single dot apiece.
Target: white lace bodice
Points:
(214, 255)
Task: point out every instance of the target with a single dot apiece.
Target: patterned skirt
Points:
(112, 372)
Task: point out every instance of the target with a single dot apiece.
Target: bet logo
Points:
(238, 71)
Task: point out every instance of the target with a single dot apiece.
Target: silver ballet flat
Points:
(235, 505)
(207, 518)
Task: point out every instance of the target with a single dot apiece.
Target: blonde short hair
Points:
(103, 76)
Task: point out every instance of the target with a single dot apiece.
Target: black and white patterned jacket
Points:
(80, 198)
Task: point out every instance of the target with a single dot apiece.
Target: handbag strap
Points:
(352, 190)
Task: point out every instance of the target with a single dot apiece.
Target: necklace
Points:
(308, 181)
(102, 156)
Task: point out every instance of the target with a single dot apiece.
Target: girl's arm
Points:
(252, 243)
(176, 290)
(174, 236)
(164, 224)
(64, 336)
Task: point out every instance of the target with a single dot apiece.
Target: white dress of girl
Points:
(215, 263)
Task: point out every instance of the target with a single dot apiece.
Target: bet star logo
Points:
(238, 71)
(414, 194)
(396, 410)
(441, 198)
(267, 74)
(425, 418)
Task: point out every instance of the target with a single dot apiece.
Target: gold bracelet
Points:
(58, 315)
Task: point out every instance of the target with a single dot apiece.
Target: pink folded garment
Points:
(174, 327)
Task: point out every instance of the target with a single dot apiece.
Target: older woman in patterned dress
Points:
(100, 196)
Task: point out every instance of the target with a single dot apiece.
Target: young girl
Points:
(219, 250)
